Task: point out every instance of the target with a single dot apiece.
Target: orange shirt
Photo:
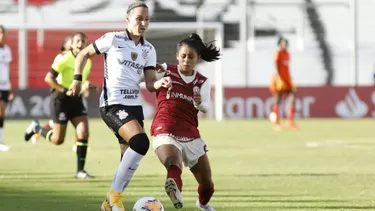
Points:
(282, 61)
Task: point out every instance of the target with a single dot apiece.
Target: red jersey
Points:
(282, 61)
(176, 115)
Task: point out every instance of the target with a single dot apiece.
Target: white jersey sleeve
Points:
(151, 60)
(104, 43)
(6, 55)
(9, 58)
(205, 93)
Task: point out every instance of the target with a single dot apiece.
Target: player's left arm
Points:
(152, 83)
(202, 98)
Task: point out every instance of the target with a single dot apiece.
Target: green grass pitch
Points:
(327, 165)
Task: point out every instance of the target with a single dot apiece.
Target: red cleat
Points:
(277, 127)
(292, 125)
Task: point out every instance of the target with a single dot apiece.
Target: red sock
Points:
(275, 109)
(175, 172)
(46, 126)
(291, 114)
(205, 194)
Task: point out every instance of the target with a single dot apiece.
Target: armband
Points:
(78, 77)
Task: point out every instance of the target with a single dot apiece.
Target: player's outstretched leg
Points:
(202, 173)
(123, 147)
(35, 138)
(56, 135)
(133, 133)
(82, 133)
(170, 156)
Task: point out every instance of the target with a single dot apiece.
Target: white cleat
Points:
(83, 175)
(4, 148)
(31, 130)
(206, 207)
(174, 193)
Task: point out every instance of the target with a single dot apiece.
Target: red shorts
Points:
(278, 85)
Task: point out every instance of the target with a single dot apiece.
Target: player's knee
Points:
(140, 143)
(57, 141)
(83, 135)
(172, 160)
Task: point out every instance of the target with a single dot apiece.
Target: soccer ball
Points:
(273, 117)
(148, 204)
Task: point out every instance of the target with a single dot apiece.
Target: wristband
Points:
(78, 77)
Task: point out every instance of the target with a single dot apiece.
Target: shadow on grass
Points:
(37, 200)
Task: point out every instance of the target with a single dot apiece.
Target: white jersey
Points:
(5, 60)
(124, 64)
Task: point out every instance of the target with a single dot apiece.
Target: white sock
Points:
(125, 170)
(1, 136)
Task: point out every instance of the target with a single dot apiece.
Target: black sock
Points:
(1, 130)
(46, 133)
(81, 153)
(1, 122)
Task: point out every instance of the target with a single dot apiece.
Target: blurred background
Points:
(331, 47)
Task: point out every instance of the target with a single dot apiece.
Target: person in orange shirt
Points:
(281, 84)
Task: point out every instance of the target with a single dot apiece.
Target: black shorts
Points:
(4, 94)
(64, 108)
(116, 116)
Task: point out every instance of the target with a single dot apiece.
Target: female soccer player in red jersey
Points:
(281, 84)
(176, 137)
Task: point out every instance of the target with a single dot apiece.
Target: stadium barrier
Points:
(325, 102)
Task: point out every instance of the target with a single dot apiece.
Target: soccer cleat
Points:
(206, 207)
(4, 148)
(292, 125)
(277, 127)
(83, 175)
(115, 201)
(31, 130)
(105, 205)
(174, 193)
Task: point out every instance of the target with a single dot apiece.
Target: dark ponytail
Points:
(67, 38)
(2, 28)
(208, 52)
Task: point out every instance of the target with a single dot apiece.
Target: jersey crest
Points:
(134, 55)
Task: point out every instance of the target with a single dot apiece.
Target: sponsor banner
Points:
(325, 101)
(35, 104)
(342, 102)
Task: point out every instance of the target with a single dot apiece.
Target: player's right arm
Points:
(99, 46)
(56, 69)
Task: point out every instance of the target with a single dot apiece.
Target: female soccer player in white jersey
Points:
(6, 93)
(176, 137)
(126, 55)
